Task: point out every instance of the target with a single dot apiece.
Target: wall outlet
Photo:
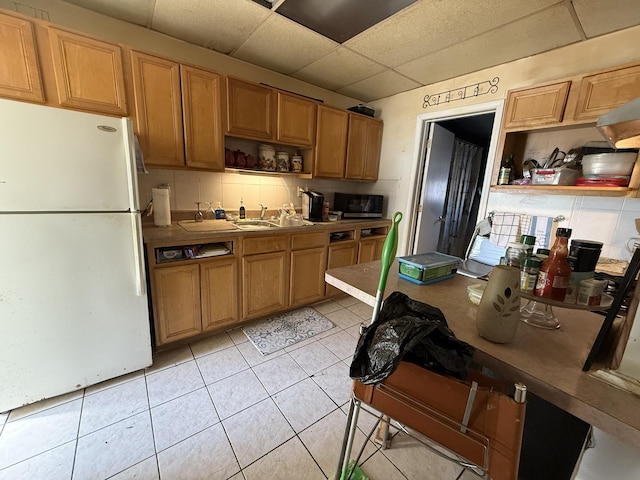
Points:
(300, 191)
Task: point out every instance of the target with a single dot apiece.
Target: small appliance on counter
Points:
(354, 205)
(312, 205)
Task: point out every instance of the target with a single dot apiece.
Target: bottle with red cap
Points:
(555, 271)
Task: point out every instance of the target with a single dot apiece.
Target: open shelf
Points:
(567, 190)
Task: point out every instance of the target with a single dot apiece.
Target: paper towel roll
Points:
(161, 207)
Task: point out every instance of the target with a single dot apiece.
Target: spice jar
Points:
(555, 271)
(516, 253)
(529, 274)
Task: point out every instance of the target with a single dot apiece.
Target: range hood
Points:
(621, 126)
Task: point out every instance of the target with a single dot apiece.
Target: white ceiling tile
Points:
(428, 26)
(218, 24)
(133, 11)
(338, 68)
(283, 45)
(511, 42)
(598, 17)
(378, 86)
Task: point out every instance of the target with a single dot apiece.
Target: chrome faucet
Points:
(263, 208)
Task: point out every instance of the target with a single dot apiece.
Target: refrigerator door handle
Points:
(138, 252)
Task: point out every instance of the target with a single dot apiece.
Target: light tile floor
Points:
(215, 409)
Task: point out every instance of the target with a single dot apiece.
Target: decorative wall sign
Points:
(473, 90)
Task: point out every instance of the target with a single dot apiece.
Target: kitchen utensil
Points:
(609, 164)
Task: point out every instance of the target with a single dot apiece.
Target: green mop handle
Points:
(389, 251)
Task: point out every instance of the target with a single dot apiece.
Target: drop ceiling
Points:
(371, 49)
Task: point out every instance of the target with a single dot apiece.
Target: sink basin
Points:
(255, 224)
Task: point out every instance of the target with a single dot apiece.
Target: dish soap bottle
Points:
(241, 212)
(220, 213)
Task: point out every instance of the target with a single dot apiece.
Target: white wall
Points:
(609, 220)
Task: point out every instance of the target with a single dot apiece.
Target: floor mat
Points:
(275, 333)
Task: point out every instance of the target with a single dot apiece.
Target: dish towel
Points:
(505, 228)
(541, 228)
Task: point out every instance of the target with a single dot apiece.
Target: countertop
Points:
(223, 229)
(549, 362)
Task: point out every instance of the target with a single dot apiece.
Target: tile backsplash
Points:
(609, 220)
(188, 187)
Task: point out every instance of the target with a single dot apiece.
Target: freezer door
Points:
(60, 160)
(71, 312)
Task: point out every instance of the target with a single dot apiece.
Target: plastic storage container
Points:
(428, 267)
(609, 164)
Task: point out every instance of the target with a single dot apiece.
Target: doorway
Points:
(452, 176)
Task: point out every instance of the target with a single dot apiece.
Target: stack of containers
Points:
(607, 169)
(583, 258)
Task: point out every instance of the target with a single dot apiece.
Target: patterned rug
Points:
(277, 332)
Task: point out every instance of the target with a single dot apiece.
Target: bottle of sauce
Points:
(555, 271)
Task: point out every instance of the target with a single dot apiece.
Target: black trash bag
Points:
(413, 331)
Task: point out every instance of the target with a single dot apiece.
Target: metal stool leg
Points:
(349, 435)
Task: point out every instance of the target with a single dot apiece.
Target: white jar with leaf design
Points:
(499, 309)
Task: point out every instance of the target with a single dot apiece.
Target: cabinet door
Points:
(356, 147)
(370, 250)
(156, 84)
(331, 142)
(88, 73)
(250, 110)
(307, 275)
(202, 113)
(19, 70)
(340, 255)
(374, 143)
(605, 91)
(177, 301)
(296, 120)
(265, 284)
(363, 148)
(219, 293)
(536, 106)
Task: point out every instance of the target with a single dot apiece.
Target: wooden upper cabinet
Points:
(158, 110)
(19, 70)
(202, 113)
(363, 148)
(250, 110)
(296, 120)
(331, 142)
(604, 91)
(88, 73)
(536, 106)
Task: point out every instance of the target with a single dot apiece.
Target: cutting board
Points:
(206, 225)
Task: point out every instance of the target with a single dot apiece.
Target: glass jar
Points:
(529, 274)
(516, 253)
(555, 271)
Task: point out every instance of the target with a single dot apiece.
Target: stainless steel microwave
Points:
(358, 206)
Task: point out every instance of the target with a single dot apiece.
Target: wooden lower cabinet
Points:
(265, 284)
(219, 293)
(340, 255)
(195, 298)
(370, 249)
(307, 275)
(177, 294)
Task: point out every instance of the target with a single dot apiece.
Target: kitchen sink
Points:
(255, 224)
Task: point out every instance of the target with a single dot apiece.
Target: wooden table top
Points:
(548, 362)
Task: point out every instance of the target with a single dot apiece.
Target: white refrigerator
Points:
(73, 300)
